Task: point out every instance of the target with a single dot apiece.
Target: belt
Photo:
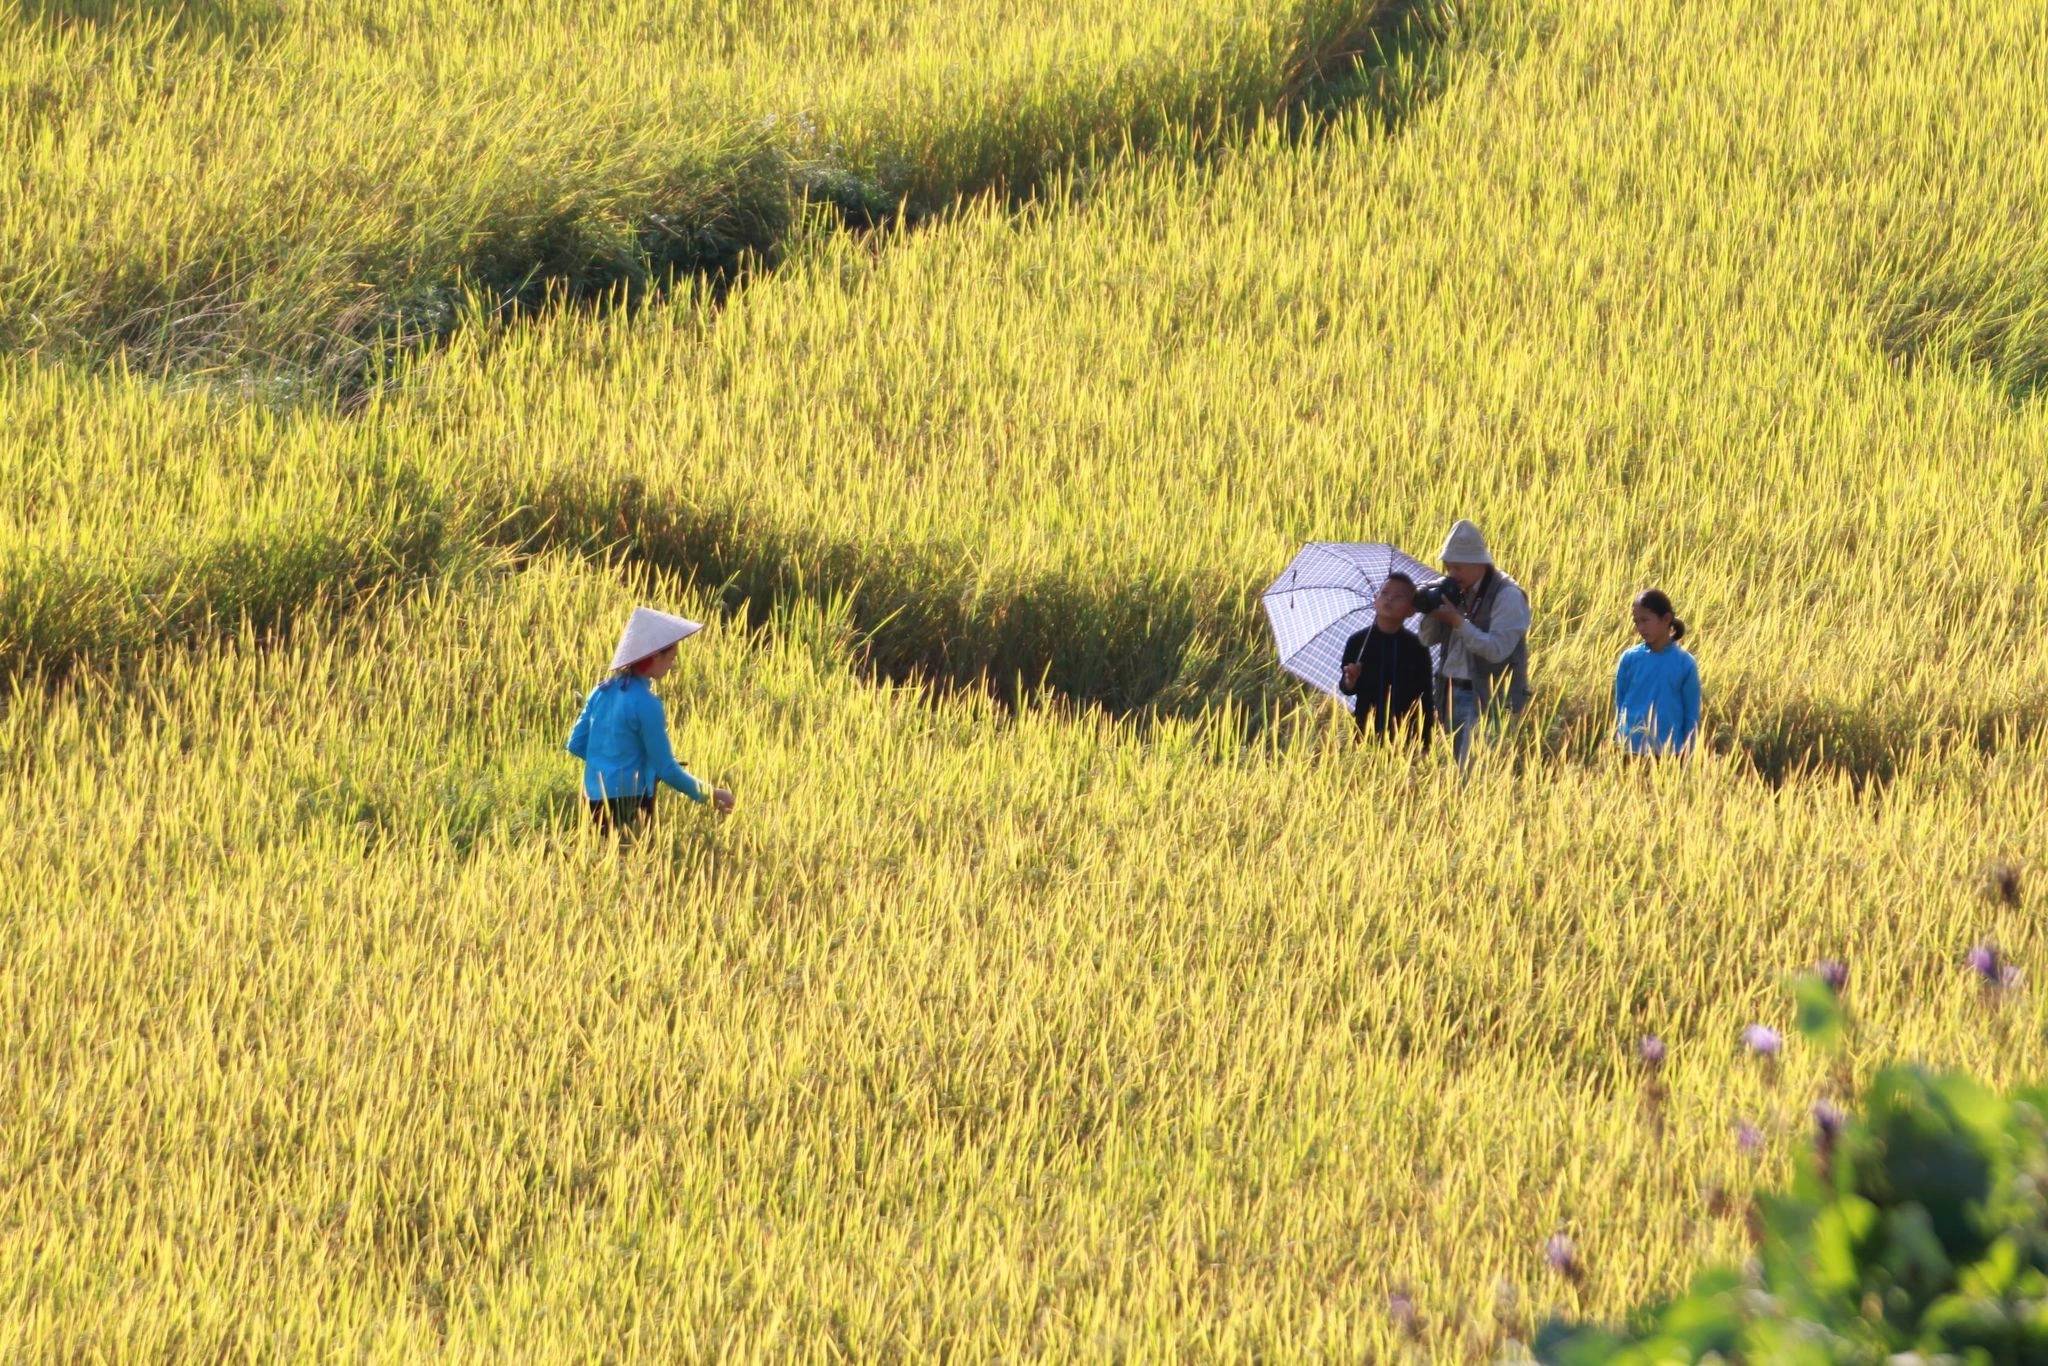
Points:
(1462, 684)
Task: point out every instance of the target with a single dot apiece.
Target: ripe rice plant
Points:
(967, 1033)
(273, 192)
(992, 449)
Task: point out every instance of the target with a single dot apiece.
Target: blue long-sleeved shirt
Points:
(622, 739)
(1657, 699)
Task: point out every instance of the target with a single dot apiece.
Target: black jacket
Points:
(1393, 680)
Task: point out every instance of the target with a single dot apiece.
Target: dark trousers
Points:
(622, 813)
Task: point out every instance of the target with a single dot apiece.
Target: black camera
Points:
(1436, 593)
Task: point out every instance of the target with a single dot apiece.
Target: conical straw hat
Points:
(647, 632)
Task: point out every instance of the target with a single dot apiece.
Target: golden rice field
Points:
(231, 186)
(1067, 984)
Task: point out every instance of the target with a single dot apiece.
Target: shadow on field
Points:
(1136, 647)
(57, 611)
(722, 214)
(236, 21)
(1384, 67)
(1127, 645)
(1977, 310)
(1144, 648)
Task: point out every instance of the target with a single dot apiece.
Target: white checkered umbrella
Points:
(1324, 596)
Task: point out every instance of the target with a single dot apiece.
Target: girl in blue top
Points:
(1657, 685)
(622, 735)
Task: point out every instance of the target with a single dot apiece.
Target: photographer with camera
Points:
(1481, 618)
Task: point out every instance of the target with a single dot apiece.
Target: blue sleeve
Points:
(579, 738)
(1620, 684)
(1689, 690)
(661, 760)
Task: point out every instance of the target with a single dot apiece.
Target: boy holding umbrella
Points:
(1386, 667)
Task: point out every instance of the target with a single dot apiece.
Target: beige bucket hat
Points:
(1465, 545)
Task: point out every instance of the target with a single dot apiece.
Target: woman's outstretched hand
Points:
(721, 799)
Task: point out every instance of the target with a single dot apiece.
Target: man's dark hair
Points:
(1398, 577)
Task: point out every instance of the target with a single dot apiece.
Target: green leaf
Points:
(2033, 1328)
(1784, 1343)
(1965, 1321)
(1981, 1113)
(1914, 1255)
(1931, 1238)
(1841, 1238)
(1996, 1273)
(1818, 1013)
(1707, 1320)
(1926, 1153)
(1563, 1345)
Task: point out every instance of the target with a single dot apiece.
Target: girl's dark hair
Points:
(642, 665)
(1658, 601)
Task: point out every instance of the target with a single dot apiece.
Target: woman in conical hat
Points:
(622, 735)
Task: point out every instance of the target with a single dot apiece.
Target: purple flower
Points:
(1828, 1118)
(1991, 968)
(1834, 972)
(1401, 1305)
(1762, 1041)
(1748, 1137)
(1651, 1051)
(1563, 1258)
